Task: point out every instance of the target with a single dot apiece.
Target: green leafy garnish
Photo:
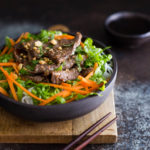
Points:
(79, 59)
(5, 58)
(60, 100)
(59, 68)
(45, 35)
(7, 41)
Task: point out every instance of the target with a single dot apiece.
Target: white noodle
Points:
(26, 98)
(108, 70)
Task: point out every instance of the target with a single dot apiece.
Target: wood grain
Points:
(16, 130)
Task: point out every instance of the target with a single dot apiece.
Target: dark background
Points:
(132, 90)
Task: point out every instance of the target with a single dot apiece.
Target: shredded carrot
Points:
(26, 35)
(68, 37)
(19, 39)
(15, 68)
(12, 42)
(66, 84)
(24, 89)
(3, 91)
(63, 94)
(11, 50)
(4, 50)
(14, 75)
(7, 64)
(87, 82)
(95, 88)
(3, 81)
(71, 99)
(11, 60)
(67, 88)
(92, 72)
(14, 65)
(12, 88)
(89, 75)
(82, 45)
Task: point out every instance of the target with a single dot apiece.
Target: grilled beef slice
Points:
(36, 78)
(18, 53)
(58, 77)
(47, 69)
(86, 71)
(68, 49)
(28, 49)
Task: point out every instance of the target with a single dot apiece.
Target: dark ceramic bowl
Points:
(128, 29)
(61, 111)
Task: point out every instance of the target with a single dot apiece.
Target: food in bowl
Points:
(53, 67)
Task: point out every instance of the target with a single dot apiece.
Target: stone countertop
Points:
(132, 89)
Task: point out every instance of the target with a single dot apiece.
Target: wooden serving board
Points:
(16, 130)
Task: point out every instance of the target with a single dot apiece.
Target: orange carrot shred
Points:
(68, 37)
(26, 35)
(3, 81)
(12, 89)
(12, 42)
(19, 39)
(11, 60)
(87, 82)
(15, 68)
(82, 45)
(3, 91)
(66, 84)
(11, 50)
(67, 88)
(7, 64)
(14, 65)
(4, 50)
(92, 72)
(71, 99)
(24, 89)
(63, 94)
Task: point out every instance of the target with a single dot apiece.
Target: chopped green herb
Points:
(59, 68)
(5, 58)
(79, 59)
(7, 41)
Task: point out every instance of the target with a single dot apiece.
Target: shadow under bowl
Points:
(128, 29)
(61, 112)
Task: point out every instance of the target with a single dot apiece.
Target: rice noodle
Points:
(108, 70)
(26, 98)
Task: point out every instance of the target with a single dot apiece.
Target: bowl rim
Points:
(122, 14)
(115, 70)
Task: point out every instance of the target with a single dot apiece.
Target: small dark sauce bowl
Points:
(128, 29)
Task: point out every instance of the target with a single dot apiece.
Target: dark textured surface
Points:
(132, 91)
